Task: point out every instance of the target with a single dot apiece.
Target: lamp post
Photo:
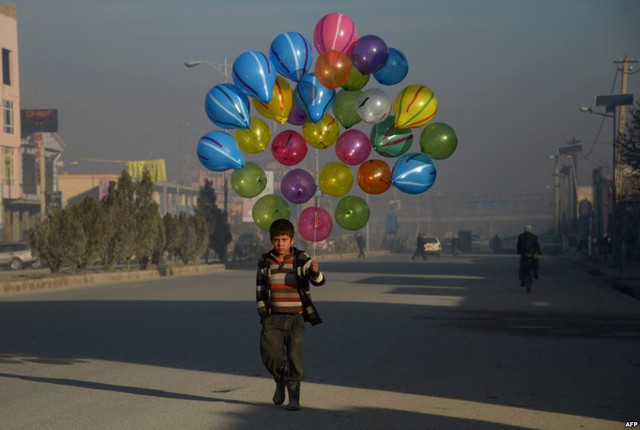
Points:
(611, 102)
(224, 69)
(556, 194)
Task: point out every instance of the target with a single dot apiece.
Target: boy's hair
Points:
(281, 226)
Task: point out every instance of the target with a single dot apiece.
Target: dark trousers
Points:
(281, 347)
(535, 266)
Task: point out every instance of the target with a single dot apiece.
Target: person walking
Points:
(284, 304)
(419, 248)
(361, 245)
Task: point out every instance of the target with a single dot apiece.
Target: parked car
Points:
(432, 245)
(17, 255)
(475, 243)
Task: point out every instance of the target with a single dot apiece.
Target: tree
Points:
(59, 240)
(186, 236)
(92, 219)
(220, 231)
(630, 145)
(118, 205)
(148, 224)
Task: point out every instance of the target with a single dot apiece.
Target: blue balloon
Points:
(413, 173)
(394, 70)
(227, 107)
(292, 55)
(255, 75)
(313, 98)
(219, 151)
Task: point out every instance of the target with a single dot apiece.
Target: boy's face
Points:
(282, 243)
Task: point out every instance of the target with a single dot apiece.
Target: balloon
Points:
(353, 147)
(289, 148)
(296, 116)
(291, 55)
(335, 32)
(414, 173)
(369, 54)
(394, 70)
(280, 105)
(298, 186)
(352, 213)
(254, 139)
(322, 134)
(255, 75)
(218, 151)
(249, 181)
(315, 224)
(415, 106)
(335, 179)
(345, 108)
(268, 209)
(374, 176)
(227, 107)
(356, 80)
(313, 98)
(438, 140)
(390, 141)
(333, 69)
(374, 106)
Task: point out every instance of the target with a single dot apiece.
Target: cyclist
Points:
(528, 248)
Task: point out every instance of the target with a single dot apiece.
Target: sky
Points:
(510, 75)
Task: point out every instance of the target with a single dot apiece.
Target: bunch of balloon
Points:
(287, 87)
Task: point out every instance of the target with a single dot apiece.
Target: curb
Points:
(82, 279)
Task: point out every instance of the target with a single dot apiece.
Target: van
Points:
(17, 255)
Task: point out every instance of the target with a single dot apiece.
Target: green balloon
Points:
(249, 181)
(345, 108)
(388, 140)
(356, 80)
(352, 213)
(268, 209)
(438, 140)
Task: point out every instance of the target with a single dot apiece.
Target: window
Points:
(6, 66)
(7, 161)
(7, 106)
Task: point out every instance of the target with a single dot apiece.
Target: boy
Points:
(284, 304)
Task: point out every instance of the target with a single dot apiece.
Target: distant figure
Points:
(361, 245)
(419, 248)
(495, 244)
(528, 248)
(455, 247)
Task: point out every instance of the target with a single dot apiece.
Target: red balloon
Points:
(353, 147)
(374, 176)
(315, 224)
(289, 147)
(333, 69)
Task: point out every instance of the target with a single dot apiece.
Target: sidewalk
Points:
(626, 281)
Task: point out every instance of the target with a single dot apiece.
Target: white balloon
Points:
(374, 106)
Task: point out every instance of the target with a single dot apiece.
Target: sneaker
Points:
(278, 395)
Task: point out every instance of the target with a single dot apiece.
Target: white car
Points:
(432, 245)
(17, 255)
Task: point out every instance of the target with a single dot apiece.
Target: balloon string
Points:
(315, 212)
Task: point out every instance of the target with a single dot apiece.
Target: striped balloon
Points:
(255, 75)
(313, 98)
(218, 151)
(227, 107)
(413, 173)
(415, 106)
(335, 32)
(390, 141)
(291, 55)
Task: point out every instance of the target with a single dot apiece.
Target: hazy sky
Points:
(509, 74)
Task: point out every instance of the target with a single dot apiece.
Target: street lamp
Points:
(611, 102)
(224, 69)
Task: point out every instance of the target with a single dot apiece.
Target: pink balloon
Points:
(335, 32)
(353, 147)
(315, 224)
(289, 147)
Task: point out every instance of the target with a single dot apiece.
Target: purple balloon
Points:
(298, 186)
(353, 147)
(369, 54)
(296, 115)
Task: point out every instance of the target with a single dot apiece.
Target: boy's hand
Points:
(315, 268)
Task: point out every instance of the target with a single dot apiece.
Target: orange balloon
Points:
(333, 69)
(374, 176)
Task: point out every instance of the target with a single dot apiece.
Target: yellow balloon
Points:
(414, 106)
(335, 179)
(321, 134)
(280, 105)
(255, 138)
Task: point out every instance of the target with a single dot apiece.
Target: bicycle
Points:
(527, 275)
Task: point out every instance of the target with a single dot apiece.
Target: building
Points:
(10, 166)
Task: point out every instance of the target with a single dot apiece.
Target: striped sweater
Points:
(278, 281)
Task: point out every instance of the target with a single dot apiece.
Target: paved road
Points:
(451, 343)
